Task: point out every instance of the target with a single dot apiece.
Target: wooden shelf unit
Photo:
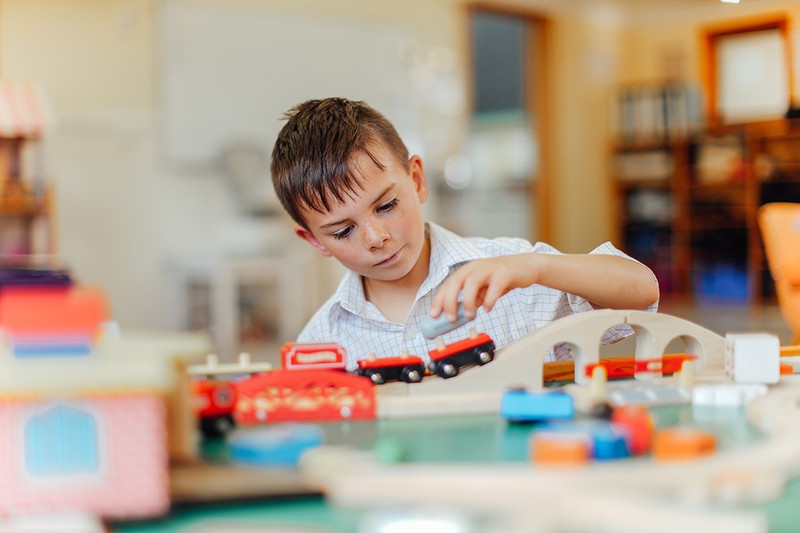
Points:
(26, 206)
(694, 219)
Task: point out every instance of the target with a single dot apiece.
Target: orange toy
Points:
(675, 444)
(50, 311)
(560, 449)
(638, 426)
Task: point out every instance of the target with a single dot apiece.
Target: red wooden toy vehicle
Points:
(318, 395)
(215, 391)
(216, 400)
(446, 360)
(405, 367)
(316, 355)
(627, 367)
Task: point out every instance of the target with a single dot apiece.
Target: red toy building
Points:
(318, 355)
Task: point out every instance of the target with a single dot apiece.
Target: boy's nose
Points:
(375, 236)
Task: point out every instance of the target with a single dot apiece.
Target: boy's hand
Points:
(482, 281)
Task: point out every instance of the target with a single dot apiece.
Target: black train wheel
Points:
(411, 374)
(214, 427)
(446, 368)
(484, 354)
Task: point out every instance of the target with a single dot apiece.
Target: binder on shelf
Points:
(657, 113)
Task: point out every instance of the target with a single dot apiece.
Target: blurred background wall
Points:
(167, 108)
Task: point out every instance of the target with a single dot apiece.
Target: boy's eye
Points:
(343, 233)
(388, 206)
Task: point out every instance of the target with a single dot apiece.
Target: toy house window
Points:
(749, 72)
(61, 441)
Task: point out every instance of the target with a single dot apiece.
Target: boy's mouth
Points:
(389, 259)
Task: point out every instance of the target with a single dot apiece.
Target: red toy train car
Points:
(408, 368)
(447, 360)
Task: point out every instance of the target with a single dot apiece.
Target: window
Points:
(61, 441)
(498, 44)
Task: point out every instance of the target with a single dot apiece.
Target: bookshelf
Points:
(26, 208)
(650, 174)
(687, 202)
(26, 201)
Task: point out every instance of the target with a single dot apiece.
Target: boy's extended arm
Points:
(605, 280)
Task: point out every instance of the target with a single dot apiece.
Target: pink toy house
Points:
(83, 408)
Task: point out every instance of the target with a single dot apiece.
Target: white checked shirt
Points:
(349, 319)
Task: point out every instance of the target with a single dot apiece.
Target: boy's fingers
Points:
(451, 303)
(470, 299)
(493, 293)
(451, 309)
(480, 299)
(441, 301)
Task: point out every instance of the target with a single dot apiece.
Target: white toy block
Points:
(752, 357)
(726, 394)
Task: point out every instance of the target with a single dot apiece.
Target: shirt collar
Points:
(448, 250)
(350, 294)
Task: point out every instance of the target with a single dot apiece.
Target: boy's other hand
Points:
(482, 282)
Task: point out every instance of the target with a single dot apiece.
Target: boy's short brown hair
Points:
(312, 158)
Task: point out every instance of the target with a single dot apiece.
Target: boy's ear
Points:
(307, 236)
(418, 176)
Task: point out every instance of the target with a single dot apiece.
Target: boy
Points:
(344, 175)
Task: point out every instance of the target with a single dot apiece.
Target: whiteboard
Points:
(228, 73)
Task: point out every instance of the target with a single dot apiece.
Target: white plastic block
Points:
(726, 394)
(639, 393)
(752, 357)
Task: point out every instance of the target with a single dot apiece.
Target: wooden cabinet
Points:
(26, 203)
(688, 208)
(647, 179)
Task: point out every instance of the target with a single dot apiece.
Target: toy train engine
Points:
(215, 393)
(446, 360)
(404, 367)
(216, 401)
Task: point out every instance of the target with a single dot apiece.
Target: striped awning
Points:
(24, 109)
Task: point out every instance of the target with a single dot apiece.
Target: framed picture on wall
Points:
(748, 72)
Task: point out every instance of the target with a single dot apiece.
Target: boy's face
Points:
(379, 232)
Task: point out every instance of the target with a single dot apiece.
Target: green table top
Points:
(464, 439)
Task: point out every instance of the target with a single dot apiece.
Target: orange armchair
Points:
(780, 231)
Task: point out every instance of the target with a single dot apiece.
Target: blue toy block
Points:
(524, 406)
(609, 443)
(273, 445)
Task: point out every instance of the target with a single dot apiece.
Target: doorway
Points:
(498, 185)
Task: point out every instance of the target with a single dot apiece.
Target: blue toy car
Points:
(523, 406)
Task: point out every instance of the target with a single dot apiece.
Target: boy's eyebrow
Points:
(377, 200)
